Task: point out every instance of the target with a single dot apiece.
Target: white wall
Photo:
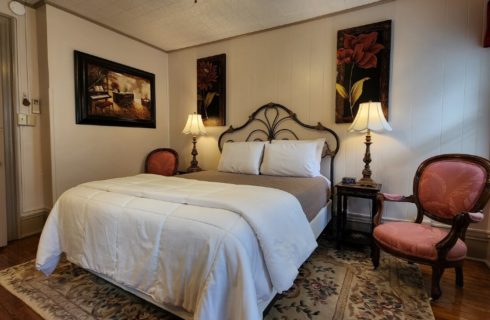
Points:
(439, 94)
(82, 153)
(31, 170)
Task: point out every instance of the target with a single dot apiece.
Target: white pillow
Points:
(295, 158)
(320, 143)
(241, 157)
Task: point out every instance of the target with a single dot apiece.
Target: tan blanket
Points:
(312, 193)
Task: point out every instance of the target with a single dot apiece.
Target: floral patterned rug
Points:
(332, 284)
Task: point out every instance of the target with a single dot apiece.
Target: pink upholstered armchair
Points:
(451, 189)
(163, 161)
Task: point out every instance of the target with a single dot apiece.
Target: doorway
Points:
(8, 195)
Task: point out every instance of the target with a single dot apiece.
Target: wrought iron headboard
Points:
(269, 119)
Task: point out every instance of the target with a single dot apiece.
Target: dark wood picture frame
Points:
(363, 69)
(112, 94)
(211, 90)
(486, 39)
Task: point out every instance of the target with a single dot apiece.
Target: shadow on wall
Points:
(395, 165)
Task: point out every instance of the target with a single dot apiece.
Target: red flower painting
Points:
(361, 50)
(211, 89)
(363, 68)
(358, 51)
(207, 75)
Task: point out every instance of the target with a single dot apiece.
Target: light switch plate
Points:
(31, 120)
(22, 119)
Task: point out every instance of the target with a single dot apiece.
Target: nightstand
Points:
(343, 191)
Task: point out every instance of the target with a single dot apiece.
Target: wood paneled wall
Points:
(439, 92)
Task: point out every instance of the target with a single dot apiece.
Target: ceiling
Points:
(176, 24)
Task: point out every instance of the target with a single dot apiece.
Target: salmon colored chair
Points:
(451, 189)
(163, 161)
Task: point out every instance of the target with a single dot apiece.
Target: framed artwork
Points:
(211, 90)
(486, 40)
(363, 68)
(111, 94)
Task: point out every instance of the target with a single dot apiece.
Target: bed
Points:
(206, 245)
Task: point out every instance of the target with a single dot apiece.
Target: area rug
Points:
(332, 284)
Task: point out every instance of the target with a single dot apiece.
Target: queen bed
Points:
(206, 245)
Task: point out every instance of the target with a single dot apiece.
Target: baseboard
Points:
(32, 222)
(477, 240)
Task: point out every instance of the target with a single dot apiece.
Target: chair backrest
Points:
(163, 161)
(449, 184)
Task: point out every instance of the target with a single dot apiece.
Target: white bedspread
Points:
(212, 250)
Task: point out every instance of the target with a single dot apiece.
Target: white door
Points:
(3, 207)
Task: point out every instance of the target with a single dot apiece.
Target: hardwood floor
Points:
(12, 308)
(470, 302)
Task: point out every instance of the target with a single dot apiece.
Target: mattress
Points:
(312, 193)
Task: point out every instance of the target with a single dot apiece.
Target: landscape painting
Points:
(109, 93)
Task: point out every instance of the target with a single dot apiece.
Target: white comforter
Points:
(210, 250)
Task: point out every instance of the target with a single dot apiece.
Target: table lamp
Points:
(195, 127)
(369, 117)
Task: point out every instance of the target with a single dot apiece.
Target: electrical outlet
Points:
(22, 119)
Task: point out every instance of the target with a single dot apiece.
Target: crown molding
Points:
(369, 5)
(41, 3)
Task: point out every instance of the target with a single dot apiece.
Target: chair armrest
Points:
(396, 197)
(458, 231)
(475, 216)
(382, 197)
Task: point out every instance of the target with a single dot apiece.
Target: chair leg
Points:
(375, 255)
(436, 279)
(459, 276)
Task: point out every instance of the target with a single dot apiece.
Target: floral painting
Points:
(211, 90)
(112, 94)
(363, 68)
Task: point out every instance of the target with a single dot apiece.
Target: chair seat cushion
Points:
(416, 240)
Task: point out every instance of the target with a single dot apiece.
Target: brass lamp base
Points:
(366, 172)
(367, 182)
(194, 167)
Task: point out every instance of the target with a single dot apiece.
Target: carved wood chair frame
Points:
(459, 224)
(172, 151)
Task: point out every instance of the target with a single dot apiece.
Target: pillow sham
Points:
(320, 143)
(241, 157)
(295, 158)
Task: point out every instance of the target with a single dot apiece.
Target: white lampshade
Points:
(194, 125)
(370, 116)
